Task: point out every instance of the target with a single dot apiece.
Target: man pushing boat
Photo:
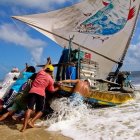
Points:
(82, 87)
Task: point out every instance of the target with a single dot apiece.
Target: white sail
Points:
(104, 27)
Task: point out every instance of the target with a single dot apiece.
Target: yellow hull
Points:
(105, 97)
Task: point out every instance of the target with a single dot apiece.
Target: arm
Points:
(53, 87)
(56, 88)
(21, 72)
(70, 81)
(47, 63)
(26, 66)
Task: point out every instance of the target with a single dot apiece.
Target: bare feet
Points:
(4, 116)
(23, 129)
(31, 124)
(17, 118)
(25, 126)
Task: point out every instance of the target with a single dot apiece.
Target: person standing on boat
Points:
(81, 87)
(42, 82)
(121, 79)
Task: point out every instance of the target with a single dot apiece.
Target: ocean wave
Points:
(86, 123)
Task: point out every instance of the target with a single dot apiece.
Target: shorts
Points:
(37, 100)
(76, 99)
(76, 95)
(17, 107)
(9, 98)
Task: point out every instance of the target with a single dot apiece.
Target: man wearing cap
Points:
(42, 82)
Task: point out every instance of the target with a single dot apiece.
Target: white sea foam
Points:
(84, 123)
(137, 86)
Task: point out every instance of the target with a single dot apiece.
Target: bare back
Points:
(82, 87)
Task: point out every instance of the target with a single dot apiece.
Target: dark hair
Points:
(33, 76)
(31, 69)
(47, 70)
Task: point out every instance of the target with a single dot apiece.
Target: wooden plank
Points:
(106, 81)
(88, 71)
(61, 64)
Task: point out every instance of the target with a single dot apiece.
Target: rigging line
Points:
(31, 24)
(20, 30)
(17, 26)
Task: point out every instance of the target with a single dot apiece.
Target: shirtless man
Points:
(81, 87)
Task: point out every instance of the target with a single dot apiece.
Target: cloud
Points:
(10, 34)
(133, 57)
(24, 7)
(40, 4)
(37, 53)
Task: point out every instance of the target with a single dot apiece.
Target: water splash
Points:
(86, 123)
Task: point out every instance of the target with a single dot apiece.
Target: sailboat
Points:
(100, 28)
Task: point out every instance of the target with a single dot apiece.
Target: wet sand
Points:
(9, 130)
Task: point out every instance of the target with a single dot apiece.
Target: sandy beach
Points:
(9, 130)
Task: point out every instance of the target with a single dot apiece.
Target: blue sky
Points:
(20, 44)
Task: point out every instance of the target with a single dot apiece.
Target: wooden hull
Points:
(108, 98)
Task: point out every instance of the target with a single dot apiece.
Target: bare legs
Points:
(32, 121)
(27, 117)
(5, 115)
(1, 107)
(28, 121)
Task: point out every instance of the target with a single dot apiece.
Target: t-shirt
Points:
(42, 82)
(7, 82)
(20, 81)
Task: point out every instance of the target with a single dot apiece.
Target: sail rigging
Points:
(102, 27)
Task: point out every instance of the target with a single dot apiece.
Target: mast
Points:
(96, 29)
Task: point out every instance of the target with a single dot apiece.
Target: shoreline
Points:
(9, 130)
